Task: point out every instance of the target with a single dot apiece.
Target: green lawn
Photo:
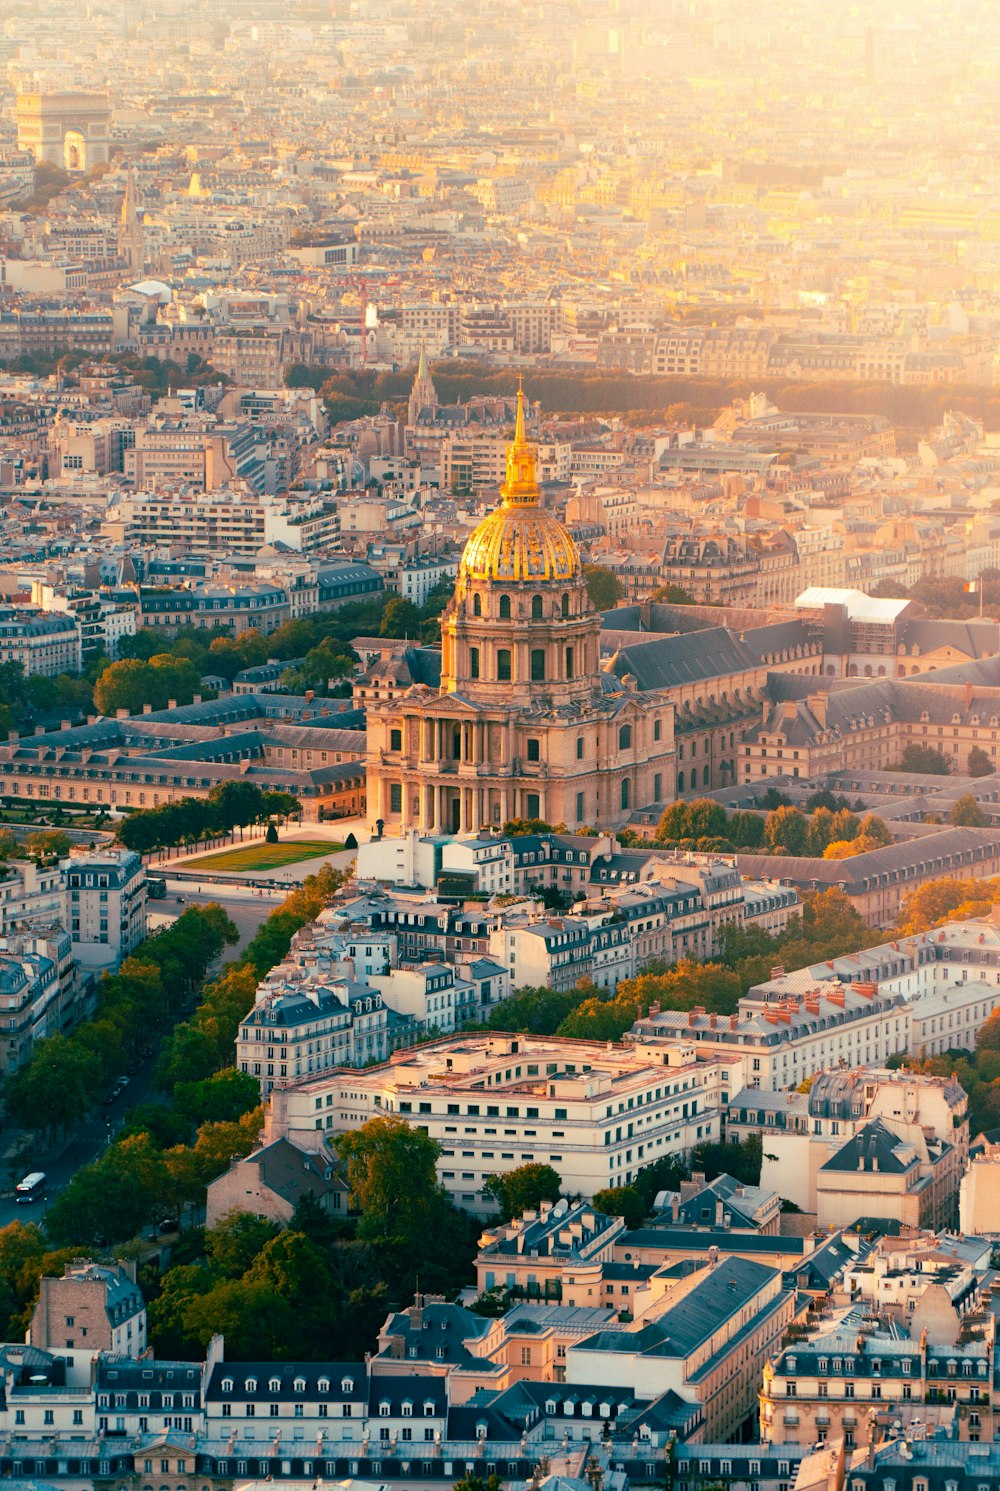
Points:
(264, 856)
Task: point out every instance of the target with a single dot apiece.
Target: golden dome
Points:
(520, 541)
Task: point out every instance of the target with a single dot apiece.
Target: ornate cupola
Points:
(520, 624)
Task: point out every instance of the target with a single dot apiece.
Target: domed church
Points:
(525, 724)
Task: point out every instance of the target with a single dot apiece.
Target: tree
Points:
(842, 849)
(225, 1097)
(966, 812)
(535, 1010)
(786, 831)
(979, 764)
(923, 760)
(232, 1245)
(523, 1189)
(478, 1483)
(401, 618)
(742, 1161)
(55, 1088)
(603, 587)
(988, 1038)
(130, 684)
(392, 1178)
(271, 837)
(236, 803)
(674, 595)
(622, 1201)
(112, 1199)
(257, 1323)
(875, 829)
(932, 903)
(47, 844)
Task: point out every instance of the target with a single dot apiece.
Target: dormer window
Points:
(428, 1409)
(251, 1385)
(550, 1405)
(274, 1385)
(383, 1409)
(323, 1385)
(299, 1385)
(407, 1410)
(346, 1385)
(227, 1384)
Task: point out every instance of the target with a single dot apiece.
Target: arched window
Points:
(565, 605)
(536, 608)
(680, 781)
(569, 662)
(477, 605)
(538, 665)
(505, 608)
(503, 665)
(625, 738)
(625, 792)
(705, 776)
(657, 728)
(473, 662)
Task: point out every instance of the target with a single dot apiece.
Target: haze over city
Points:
(499, 713)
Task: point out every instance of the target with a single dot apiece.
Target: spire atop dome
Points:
(521, 486)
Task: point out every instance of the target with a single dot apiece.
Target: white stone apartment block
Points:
(596, 1113)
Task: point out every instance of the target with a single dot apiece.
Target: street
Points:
(92, 1134)
(246, 911)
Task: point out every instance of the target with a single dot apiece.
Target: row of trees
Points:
(192, 820)
(170, 1150)
(824, 833)
(66, 1074)
(351, 394)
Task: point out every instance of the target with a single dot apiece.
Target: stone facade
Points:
(524, 723)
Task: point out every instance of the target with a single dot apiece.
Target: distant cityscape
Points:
(499, 711)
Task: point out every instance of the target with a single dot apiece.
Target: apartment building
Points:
(802, 1132)
(492, 1103)
(536, 1255)
(703, 1331)
(105, 904)
(198, 522)
(891, 1171)
(31, 994)
(43, 642)
(848, 1380)
(93, 1306)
